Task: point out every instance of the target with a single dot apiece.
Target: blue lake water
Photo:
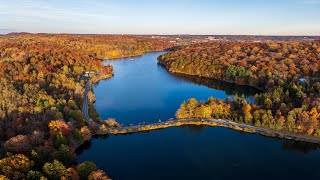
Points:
(142, 90)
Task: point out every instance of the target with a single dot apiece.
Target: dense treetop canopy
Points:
(41, 96)
(288, 72)
(263, 65)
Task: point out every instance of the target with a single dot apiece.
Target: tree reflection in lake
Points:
(142, 90)
(199, 152)
(302, 147)
(229, 88)
(288, 145)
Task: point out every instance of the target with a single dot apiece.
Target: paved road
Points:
(218, 122)
(223, 123)
(85, 105)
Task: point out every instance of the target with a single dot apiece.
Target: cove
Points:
(142, 90)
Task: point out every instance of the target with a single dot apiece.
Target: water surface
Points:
(204, 153)
(142, 90)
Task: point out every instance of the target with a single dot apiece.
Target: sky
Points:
(218, 17)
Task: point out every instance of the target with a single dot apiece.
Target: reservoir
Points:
(143, 91)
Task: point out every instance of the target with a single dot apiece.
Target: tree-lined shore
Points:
(287, 72)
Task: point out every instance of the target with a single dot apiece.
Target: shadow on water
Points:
(301, 147)
(87, 145)
(287, 145)
(229, 88)
(139, 94)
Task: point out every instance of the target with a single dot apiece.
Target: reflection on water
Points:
(200, 152)
(87, 145)
(303, 147)
(287, 145)
(144, 91)
(229, 88)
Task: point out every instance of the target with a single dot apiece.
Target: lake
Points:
(142, 90)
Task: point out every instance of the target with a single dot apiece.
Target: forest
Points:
(41, 122)
(287, 72)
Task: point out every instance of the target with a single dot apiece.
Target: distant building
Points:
(211, 38)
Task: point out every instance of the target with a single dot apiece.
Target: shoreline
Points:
(211, 122)
(125, 57)
(196, 75)
(193, 121)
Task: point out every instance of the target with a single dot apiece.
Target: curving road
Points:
(209, 122)
(221, 123)
(85, 105)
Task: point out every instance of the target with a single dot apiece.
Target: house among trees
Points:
(88, 73)
(303, 81)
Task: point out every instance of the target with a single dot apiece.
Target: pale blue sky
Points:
(258, 17)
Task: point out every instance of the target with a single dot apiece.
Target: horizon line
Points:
(155, 34)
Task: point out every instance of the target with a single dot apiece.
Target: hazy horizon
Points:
(142, 17)
(163, 34)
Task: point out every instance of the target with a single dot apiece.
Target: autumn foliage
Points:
(287, 72)
(41, 95)
(262, 65)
